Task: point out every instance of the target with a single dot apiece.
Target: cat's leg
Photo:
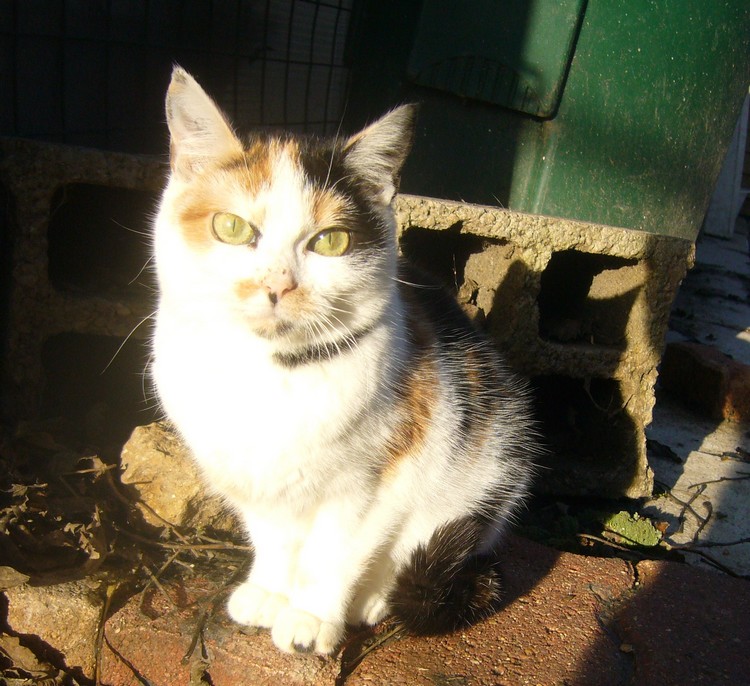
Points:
(258, 600)
(330, 562)
(370, 603)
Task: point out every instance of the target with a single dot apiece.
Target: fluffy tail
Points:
(446, 584)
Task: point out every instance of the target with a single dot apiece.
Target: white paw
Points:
(295, 630)
(369, 610)
(253, 606)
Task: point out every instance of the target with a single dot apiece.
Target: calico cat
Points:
(368, 437)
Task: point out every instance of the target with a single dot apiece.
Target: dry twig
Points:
(111, 588)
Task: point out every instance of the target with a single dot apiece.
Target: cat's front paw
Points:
(254, 606)
(295, 631)
(370, 609)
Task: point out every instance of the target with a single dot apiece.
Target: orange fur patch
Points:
(216, 189)
(247, 288)
(254, 168)
(472, 369)
(416, 411)
(477, 425)
(329, 209)
(194, 218)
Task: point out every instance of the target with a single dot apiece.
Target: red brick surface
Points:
(687, 626)
(707, 380)
(568, 620)
(550, 632)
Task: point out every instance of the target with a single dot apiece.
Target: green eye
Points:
(330, 243)
(229, 228)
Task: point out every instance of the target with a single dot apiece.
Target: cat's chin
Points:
(272, 330)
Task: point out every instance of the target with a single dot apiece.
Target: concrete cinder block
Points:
(74, 226)
(581, 309)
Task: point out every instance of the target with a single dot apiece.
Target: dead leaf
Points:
(24, 659)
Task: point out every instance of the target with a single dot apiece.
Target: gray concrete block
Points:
(581, 309)
(75, 241)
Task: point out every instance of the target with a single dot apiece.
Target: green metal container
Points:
(617, 113)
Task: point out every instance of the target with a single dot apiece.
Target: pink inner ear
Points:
(200, 133)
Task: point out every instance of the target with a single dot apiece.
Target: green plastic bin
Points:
(618, 113)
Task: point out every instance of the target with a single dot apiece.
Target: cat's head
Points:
(293, 236)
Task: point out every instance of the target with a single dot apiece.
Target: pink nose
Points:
(278, 284)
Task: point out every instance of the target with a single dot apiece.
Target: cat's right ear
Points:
(200, 134)
(378, 152)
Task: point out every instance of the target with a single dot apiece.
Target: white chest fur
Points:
(258, 429)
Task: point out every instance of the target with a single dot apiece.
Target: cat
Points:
(369, 438)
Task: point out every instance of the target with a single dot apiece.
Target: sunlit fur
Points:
(343, 406)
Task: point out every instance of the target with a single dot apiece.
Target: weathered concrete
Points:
(580, 308)
(35, 176)
(704, 480)
(699, 444)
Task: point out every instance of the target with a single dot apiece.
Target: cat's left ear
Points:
(378, 152)
(200, 134)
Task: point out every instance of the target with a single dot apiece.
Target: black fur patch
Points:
(446, 584)
(457, 339)
(322, 352)
(324, 163)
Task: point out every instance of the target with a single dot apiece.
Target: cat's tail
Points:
(447, 584)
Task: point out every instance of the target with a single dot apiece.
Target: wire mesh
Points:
(94, 72)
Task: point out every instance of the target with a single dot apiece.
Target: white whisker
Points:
(127, 338)
(333, 154)
(141, 270)
(127, 228)
(349, 337)
(432, 287)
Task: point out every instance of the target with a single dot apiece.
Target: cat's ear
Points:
(378, 152)
(200, 134)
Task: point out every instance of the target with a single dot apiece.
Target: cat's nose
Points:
(279, 284)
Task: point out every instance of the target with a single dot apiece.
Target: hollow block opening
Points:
(99, 240)
(587, 429)
(98, 383)
(587, 298)
(442, 254)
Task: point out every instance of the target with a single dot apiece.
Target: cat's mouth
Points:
(268, 320)
(291, 336)
(273, 329)
(299, 323)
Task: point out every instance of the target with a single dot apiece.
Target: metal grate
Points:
(94, 73)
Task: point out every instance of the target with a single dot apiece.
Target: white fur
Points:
(296, 453)
(300, 453)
